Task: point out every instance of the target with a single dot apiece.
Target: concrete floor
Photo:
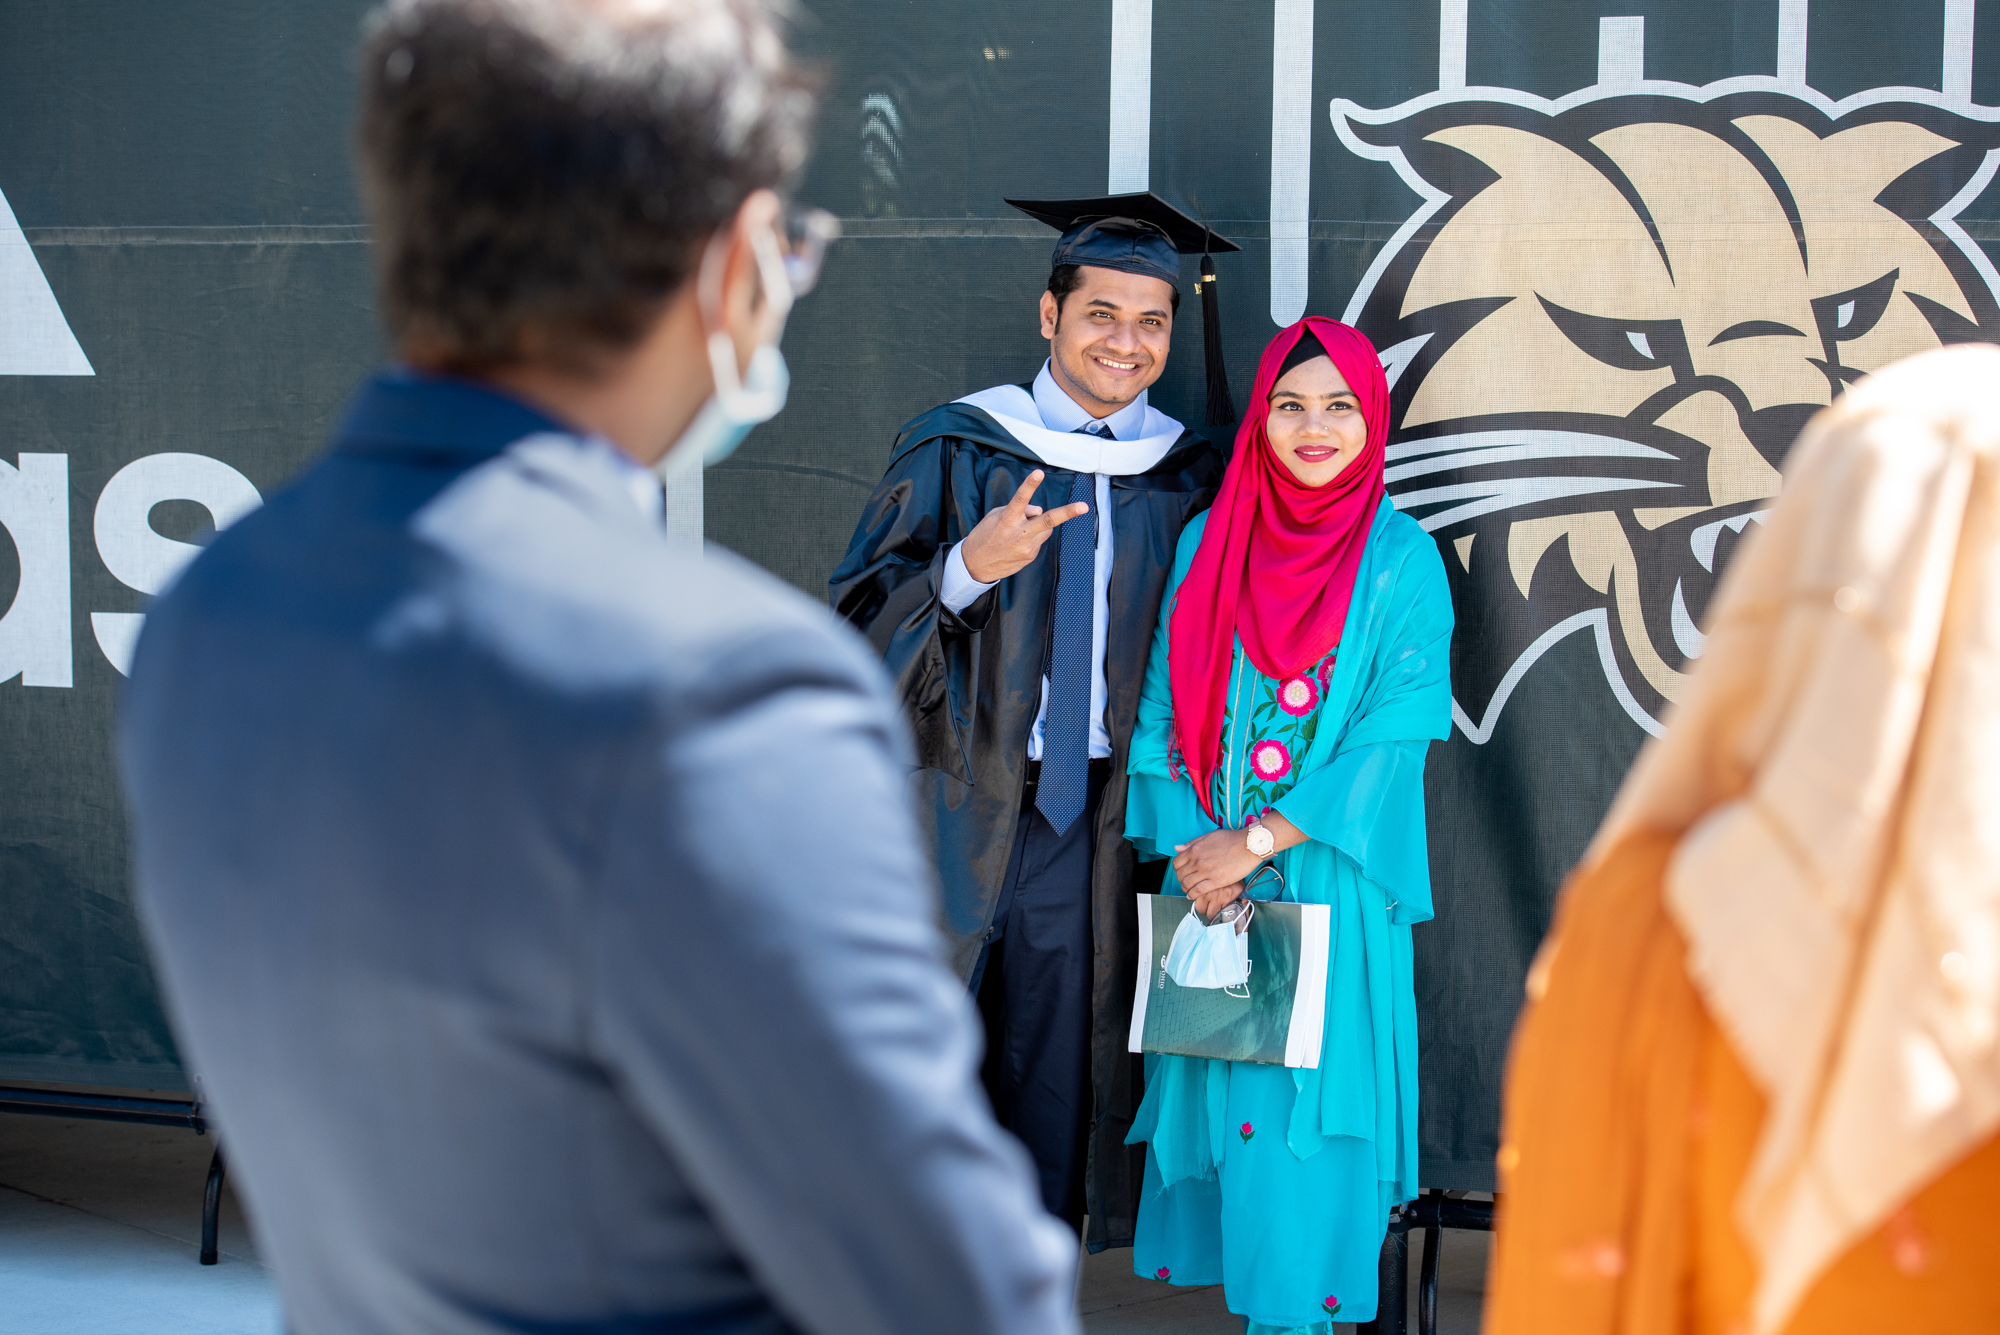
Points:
(100, 1225)
(1114, 1301)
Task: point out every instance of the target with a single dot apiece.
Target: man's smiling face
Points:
(1108, 342)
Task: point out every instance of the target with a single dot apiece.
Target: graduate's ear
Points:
(1051, 315)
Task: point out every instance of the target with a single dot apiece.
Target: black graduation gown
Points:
(972, 685)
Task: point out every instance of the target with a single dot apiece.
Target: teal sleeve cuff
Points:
(1161, 813)
(1369, 804)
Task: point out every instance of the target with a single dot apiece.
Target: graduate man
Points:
(1009, 568)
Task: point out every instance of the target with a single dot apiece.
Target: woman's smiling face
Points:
(1315, 425)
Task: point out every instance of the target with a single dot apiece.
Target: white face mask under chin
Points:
(1209, 956)
(737, 405)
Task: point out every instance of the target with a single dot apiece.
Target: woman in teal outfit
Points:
(1300, 671)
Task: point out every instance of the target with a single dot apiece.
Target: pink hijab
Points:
(1277, 563)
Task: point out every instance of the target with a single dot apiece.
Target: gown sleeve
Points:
(888, 587)
(1160, 806)
(1369, 801)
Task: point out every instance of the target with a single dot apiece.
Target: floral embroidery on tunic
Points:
(1332, 1305)
(1270, 759)
(1162, 1273)
(1298, 696)
(1271, 726)
(1246, 1132)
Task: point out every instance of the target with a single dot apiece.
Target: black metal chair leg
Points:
(1392, 1302)
(1427, 1283)
(211, 1206)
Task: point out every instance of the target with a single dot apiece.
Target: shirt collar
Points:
(642, 482)
(406, 412)
(1060, 412)
(403, 411)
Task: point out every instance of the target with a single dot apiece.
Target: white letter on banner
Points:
(1621, 50)
(34, 337)
(1451, 44)
(1291, 157)
(35, 633)
(1958, 51)
(137, 555)
(1792, 26)
(1131, 95)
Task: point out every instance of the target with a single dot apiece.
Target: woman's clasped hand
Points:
(1213, 868)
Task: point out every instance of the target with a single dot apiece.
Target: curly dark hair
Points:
(540, 173)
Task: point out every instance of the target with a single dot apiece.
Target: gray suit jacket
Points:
(543, 909)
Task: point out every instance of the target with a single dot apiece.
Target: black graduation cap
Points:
(1142, 233)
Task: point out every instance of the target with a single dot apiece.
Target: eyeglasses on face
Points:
(803, 236)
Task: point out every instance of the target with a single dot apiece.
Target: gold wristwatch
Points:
(1258, 838)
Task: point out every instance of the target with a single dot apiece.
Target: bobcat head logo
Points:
(1610, 319)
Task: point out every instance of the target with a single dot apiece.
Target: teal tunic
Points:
(1278, 1183)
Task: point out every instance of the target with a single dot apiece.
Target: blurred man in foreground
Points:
(540, 902)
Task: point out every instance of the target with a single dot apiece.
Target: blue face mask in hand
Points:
(1211, 955)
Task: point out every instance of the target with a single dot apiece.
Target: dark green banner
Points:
(1613, 253)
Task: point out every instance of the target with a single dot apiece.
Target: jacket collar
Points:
(403, 413)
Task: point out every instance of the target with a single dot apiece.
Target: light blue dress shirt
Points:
(640, 482)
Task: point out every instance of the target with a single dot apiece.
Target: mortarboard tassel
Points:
(1221, 408)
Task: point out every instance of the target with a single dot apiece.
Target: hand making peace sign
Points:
(1009, 538)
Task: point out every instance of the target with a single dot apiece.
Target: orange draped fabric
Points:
(1629, 1126)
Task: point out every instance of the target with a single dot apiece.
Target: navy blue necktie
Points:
(1065, 777)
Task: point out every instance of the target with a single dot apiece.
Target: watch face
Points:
(1261, 841)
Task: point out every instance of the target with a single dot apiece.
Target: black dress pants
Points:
(1033, 986)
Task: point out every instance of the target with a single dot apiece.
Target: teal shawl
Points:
(1360, 799)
